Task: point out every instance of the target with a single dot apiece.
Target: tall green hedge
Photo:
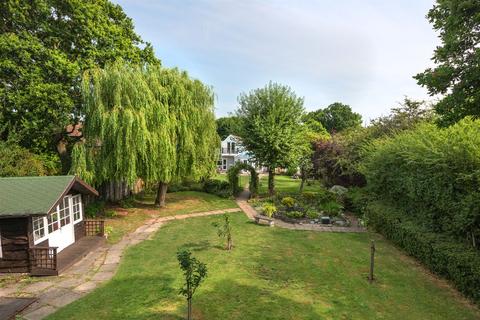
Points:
(433, 175)
(442, 254)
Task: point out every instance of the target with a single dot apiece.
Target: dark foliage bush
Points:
(441, 253)
(95, 209)
(356, 200)
(217, 187)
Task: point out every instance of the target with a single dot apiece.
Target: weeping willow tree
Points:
(145, 122)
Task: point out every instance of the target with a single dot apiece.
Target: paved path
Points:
(83, 277)
(242, 202)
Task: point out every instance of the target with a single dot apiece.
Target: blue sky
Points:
(363, 53)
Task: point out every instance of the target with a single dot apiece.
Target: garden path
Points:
(83, 277)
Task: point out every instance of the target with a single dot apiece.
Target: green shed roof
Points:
(24, 196)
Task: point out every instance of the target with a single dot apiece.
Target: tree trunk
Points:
(63, 155)
(189, 317)
(303, 176)
(161, 194)
(271, 181)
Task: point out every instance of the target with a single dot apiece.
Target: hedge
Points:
(432, 174)
(217, 187)
(442, 254)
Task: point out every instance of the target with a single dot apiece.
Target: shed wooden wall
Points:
(14, 245)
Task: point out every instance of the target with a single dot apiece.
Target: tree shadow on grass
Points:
(197, 246)
(232, 300)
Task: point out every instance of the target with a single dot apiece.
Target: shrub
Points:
(312, 214)
(331, 208)
(440, 253)
(288, 202)
(110, 213)
(94, 209)
(217, 187)
(432, 174)
(16, 161)
(127, 203)
(356, 200)
(295, 214)
(309, 196)
(269, 209)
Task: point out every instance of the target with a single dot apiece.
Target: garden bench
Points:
(268, 220)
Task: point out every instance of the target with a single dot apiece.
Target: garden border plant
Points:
(232, 175)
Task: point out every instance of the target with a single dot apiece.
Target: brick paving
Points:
(96, 268)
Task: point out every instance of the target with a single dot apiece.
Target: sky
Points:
(362, 53)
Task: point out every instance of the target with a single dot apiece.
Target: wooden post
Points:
(372, 261)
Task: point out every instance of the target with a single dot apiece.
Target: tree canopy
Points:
(45, 45)
(336, 117)
(270, 126)
(456, 75)
(226, 126)
(146, 122)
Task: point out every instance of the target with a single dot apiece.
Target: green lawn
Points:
(183, 202)
(287, 184)
(271, 273)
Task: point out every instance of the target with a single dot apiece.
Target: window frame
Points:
(43, 219)
(62, 217)
(80, 208)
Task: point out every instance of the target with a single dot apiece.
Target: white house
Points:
(232, 151)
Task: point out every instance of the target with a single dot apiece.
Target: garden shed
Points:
(42, 225)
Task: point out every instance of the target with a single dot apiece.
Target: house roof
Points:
(24, 196)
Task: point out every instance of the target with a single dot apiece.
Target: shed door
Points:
(64, 235)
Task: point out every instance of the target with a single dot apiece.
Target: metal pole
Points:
(372, 260)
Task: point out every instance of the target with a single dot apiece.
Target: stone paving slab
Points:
(40, 313)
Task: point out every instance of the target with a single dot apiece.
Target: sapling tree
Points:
(225, 231)
(194, 272)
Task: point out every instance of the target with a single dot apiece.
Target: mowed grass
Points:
(177, 203)
(271, 273)
(288, 185)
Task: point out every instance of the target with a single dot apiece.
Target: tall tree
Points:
(313, 132)
(45, 45)
(336, 117)
(226, 126)
(456, 75)
(146, 122)
(270, 127)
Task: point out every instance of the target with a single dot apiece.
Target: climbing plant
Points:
(145, 122)
(232, 174)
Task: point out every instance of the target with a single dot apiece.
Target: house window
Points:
(224, 164)
(64, 211)
(77, 207)
(52, 220)
(38, 228)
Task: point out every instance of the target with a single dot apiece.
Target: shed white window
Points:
(38, 228)
(52, 220)
(77, 207)
(64, 211)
